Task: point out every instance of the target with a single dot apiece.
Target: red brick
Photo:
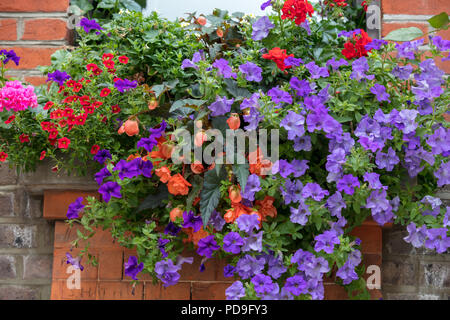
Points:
(371, 238)
(119, 290)
(34, 6)
(209, 291)
(56, 202)
(60, 265)
(391, 26)
(64, 235)
(30, 58)
(8, 29)
(36, 81)
(45, 29)
(88, 291)
(110, 264)
(430, 7)
(180, 291)
(335, 292)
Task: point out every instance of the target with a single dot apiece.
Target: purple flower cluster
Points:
(261, 28)
(123, 85)
(58, 76)
(347, 271)
(74, 208)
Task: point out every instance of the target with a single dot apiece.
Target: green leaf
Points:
(151, 35)
(131, 5)
(439, 21)
(234, 89)
(238, 15)
(210, 195)
(83, 5)
(242, 173)
(153, 201)
(404, 34)
(107, 4)
(197, 185)
(180, 105)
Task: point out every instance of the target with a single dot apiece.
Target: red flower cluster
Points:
(339, 3)
(297, 10)
(355, 48)
(278, 56)
(364, 5)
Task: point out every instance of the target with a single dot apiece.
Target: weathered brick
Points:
(7, 267)
(371, 237)
(34, 6)
(429, 7)
(31, 57)
(34, 207)
(8, 176)
(180, 291)
(403, 272)
(209, 291)
(6, 204)
(45, 29)
(111, 264)
(17, 236)
(11, 292)
(393, 243)
(120, 290)
(9, 29)
(335, 292)
(435, 275)
(37, 267)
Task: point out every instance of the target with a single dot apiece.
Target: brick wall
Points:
(35, 29)
(409, 273)
(407, 13)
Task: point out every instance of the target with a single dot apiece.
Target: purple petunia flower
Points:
(248, 266)
(253, 185)
(316, 71)
(128, 169)
(74, 208)
(207, 246)
(132, 268)
(439, 141)
(294, 124)
(10, 55)
(347, 271)
(216, 220)
(110, 189)
(75, 262)
(283, 167)
(347, 184)
(261, 28)
(335, 64)
(299, 167)
(224, 69)
(296, 285)
(172, 229)
(360, 67)
(167, 272)
(253, 242)
(191, 221)
(407, 49)
(58, 76)
(293, 62)
(89, 25)
(248, 222)
(300, 215)
(102, 155)
(292, 191)
(125, 85)
(302, 87)
(380, 91)
(443, 174)
(253, 119)
(221, 106)
(266, 4)
(279, 96)
(314, 191)
(236, 291)
(101, 175)
(402, 73)
(380, 207)
(335, 204)
(375, 44)
(251, 71)
(233, 242)
(262, 283)
(147, 143)
(374, 180)
(326, 241)
(228, 271)
(302, 143)
(437, 239)
(162, 246)
(387, 160)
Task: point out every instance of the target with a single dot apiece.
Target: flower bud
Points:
(131, 127)
(234, 122)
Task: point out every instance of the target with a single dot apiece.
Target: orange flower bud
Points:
(201, 21)
(219, 33)
(200, 138)
(234, 122)
(153, 104)
(121, 129)
(163, 173)
(197, 167)
(234, 192)
(166, 150)
(176, 213)
(131, 127)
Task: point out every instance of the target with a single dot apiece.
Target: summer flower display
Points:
(352, 118)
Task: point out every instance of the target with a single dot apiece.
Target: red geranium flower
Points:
(42, 155)
(95, 148)
(109, 64)
(3, 156)
(94, 68)
(63, 143)
(80, 120)
(77, 87)
(297, 10)
(89, 109)
(52, 133)
(10, 119)
(355, 48)
(62, 123)
(123, 59)
(105, 92)
(107, 56)
(278, 56)
(70, 83)
(24, 138)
